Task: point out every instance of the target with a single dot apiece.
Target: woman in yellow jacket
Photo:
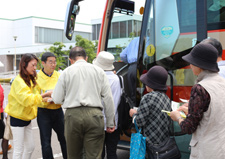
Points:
(22, 106)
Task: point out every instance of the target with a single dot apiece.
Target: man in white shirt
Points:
(105, 61)
(80, 89)
(60, 70)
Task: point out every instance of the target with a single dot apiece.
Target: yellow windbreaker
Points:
(23, 100)
(47, 83)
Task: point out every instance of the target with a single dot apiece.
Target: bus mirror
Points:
(71, 13)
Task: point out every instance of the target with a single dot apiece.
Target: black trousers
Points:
(110, 144)
(132, 80)
(2, 126)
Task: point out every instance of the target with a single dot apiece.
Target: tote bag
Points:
(137, 144)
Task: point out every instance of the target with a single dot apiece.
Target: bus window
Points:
(187, 14)
(166, 42)
(215, 11)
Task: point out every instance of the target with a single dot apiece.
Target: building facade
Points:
(33, 35)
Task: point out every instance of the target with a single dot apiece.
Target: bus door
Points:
(163, 42)
(120, 28)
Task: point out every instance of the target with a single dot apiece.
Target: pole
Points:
(15, 37)
(201, 18)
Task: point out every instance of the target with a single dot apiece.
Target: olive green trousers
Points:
(84, 129)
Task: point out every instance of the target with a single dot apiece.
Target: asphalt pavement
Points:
(122, 154)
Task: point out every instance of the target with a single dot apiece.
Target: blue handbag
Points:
(137, 144)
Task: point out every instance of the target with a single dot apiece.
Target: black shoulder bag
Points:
(165, 150)
(124, 119)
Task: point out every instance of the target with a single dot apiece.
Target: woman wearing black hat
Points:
(205, 117)
(155, 124)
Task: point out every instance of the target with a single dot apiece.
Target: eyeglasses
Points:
(52, 62)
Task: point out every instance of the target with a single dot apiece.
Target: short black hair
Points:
(45, 56)
(216, 44)
(77, 51)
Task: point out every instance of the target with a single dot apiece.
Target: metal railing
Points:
(9, 74)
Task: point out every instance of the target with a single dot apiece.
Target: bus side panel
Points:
(183, 145)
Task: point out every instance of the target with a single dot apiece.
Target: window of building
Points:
(116, 30)
(110, 32)
(98, 30)
(129, 27)
(123, 30)
(50, 35)
(138, 28)
(94, 32)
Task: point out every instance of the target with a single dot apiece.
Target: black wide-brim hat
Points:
(203, 56)
(155, 78)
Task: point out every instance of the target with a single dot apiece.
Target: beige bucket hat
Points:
(104, 60)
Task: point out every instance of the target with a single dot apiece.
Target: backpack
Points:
(124, 119)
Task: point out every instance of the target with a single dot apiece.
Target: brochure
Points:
(175, 106)
(168, 113)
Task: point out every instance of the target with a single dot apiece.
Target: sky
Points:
(54, 9)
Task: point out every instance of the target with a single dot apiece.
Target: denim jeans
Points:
(47, 120)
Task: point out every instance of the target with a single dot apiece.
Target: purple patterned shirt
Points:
(198, 104)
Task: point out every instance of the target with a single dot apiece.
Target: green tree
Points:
(118, 51)
(88, 45)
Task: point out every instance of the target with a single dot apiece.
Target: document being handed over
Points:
(175, 106)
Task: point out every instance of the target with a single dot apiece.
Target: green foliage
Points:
(89, 47)
(60, 54)
(131, 35)
(39, 63)
(118, 51)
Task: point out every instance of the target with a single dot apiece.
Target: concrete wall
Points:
(7, 61)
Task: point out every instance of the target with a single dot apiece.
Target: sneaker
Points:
(9, 147)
